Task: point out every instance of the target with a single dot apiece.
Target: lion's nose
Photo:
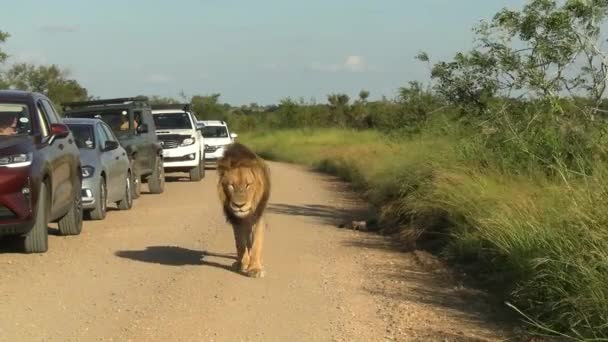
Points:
(239, 205)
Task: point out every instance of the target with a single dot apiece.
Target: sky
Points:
(248, 51)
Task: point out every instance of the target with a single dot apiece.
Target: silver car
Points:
(106, 172)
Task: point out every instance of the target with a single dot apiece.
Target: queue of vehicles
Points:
(61, 169)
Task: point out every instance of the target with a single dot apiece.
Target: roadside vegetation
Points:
(497, 164)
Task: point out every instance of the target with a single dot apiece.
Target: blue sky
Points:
(249, 51)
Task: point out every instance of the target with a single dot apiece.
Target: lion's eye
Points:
(230, 187)
(248, 185)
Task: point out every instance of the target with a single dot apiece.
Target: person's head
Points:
(8, 124)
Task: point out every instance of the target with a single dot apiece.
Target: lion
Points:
(244, 190)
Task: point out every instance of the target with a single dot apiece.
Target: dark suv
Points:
(132, 123)
(40, 173)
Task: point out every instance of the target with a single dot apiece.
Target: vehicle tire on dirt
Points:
(126, 203)
(37, 239)
(156, 181)
(195, 173)
(101, 202)
(71, 223)
(202, 164)
(135, 183)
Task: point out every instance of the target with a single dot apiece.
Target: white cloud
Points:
(58, 28)
(30, 57)
(158, 78)
(350, 64)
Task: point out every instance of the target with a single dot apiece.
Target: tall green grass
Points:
(541, 243)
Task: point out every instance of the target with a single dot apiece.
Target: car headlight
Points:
(188, 141)
(87, 171)
(17, 160)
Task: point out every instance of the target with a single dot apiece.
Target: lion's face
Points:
(240, 186)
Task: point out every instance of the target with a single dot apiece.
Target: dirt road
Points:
(161, 273)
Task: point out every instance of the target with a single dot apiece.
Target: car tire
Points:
(37, 239)
(71, 223)
(135, 184)
(156, 181)
(101, 202)
(203, 167)
(195, 173)
(126, 203)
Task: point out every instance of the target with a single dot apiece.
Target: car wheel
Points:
(37, 239)
(195, 173)
(203, 167)
(101, 202)
(71, 223)
(136, 184)
(126, 202)
(156, 182)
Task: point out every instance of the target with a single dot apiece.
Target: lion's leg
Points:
(241, 238)
(257, 241)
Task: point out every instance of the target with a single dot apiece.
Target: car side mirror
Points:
(58, 131)
(233, 135)
(143, 128)
(110, 146)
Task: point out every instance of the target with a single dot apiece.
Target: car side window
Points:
(51, 113)
(108, 132)
(103, 137)
(43, 120)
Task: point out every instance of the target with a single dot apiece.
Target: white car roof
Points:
(212, 123)
(168, 111)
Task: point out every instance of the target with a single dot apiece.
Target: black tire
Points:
(37, 239)
(135, 183)
(195, 173)
(71, 223)
(101, 202)
(156, 181)
(126, 203)
(203, 167)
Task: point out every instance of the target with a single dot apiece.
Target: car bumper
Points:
(214, 154)
(181, 157)
(88, 192)
(16, 203)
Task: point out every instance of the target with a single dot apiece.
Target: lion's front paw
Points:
(256, 273)
(239, 267)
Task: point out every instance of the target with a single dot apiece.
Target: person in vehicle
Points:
(8, 124)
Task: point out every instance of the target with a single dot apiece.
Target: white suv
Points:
(217, 137)
(182, 143)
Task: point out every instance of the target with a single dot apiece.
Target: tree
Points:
(3, 56)
(208, 107)
(547, 50)
(48, 80)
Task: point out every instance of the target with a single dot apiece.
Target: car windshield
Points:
(84, 136)
(118, 119)
(14, 119)
(215, 132)
(172, 121)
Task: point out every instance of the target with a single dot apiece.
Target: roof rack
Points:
(181, 106)
(122, 100)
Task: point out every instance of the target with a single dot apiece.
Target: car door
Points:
(144, 146)
(61, 176)
(109, 161)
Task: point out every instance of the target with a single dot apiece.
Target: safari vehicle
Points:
(217, 138)
(182, 142)
(40, 173)
(106, 169)
(131, 121)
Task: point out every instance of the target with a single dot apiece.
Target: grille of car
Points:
(6, 213)
(168, 141)
(211, 149)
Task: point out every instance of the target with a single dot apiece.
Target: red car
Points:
(40, 173)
